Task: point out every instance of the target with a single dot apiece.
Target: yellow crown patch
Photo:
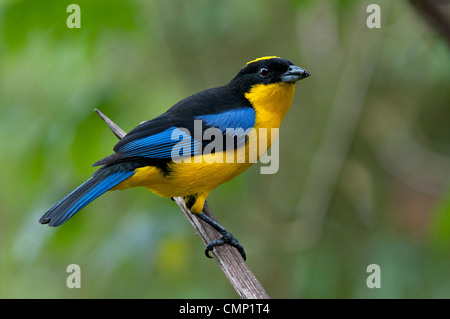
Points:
(262, 58)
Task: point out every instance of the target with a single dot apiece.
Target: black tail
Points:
(83, 195)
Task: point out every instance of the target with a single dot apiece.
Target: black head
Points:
(268, 70)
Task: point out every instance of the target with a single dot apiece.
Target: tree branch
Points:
(229, 259)
(433, 11)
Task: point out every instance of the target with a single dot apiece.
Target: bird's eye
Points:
(264, 72)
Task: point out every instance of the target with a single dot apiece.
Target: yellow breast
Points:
(271, 103)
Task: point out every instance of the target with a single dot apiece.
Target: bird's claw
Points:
(226, 238)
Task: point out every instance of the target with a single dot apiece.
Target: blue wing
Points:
(170, 135)
(162, 145)
(236, 118)
(234, 125)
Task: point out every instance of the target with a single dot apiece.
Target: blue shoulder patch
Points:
(237, 118)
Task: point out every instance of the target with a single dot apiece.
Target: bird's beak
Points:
(294, 74)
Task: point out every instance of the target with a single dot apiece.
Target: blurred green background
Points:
(364, 151)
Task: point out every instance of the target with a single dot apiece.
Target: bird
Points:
(171, 155)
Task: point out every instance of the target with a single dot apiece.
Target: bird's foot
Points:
(227, 238)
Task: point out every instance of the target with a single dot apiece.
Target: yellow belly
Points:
(200, 175)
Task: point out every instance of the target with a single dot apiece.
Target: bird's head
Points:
(268, 70)
(268, 83)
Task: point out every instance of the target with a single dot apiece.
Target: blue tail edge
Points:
(81, 196)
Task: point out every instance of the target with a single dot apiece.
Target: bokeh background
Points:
(364, 151)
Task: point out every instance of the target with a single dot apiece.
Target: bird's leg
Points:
(227, 237)
(195, 203)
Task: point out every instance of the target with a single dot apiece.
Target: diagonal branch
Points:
(437, 15)
(229, 259)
